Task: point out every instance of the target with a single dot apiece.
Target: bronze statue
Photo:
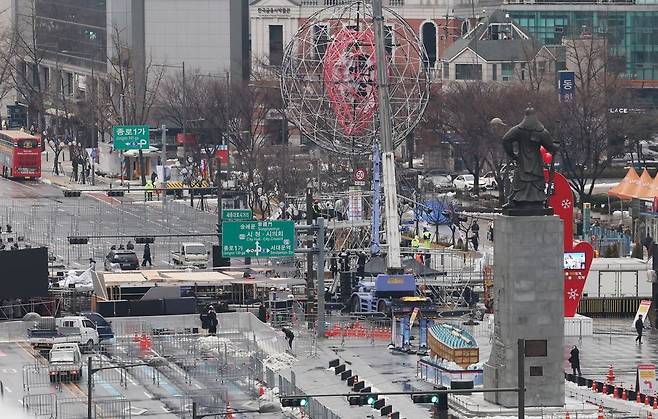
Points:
(528, 194)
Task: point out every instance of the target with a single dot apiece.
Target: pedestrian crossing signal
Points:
(78, 240)
(294, 402)
(362, 400)
(425, 398)
(71, 194)
(114, 193)
(144, 240)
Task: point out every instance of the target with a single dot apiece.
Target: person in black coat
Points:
(147, 255)
(262, 313)
(212, 321)
(639, 327)
(289, 336)
(574, 360)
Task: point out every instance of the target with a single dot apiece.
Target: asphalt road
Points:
(44, 216)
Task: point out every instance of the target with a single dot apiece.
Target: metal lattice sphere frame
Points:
(329, 78)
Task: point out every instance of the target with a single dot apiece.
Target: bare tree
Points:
(585, 126)
(132, 87)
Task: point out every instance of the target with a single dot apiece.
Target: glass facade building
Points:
(631, 30)
(71, 31)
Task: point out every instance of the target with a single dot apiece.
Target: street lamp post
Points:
(153, 362)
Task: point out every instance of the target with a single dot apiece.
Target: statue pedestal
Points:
(528, 292)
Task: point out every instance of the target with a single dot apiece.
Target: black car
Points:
(124, 260)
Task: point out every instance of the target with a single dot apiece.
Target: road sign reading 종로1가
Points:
(258, 239)
(131, 137)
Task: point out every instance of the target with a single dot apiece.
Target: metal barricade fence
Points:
(115, 409)
(41, 405)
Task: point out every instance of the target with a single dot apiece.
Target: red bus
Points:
(20, 155)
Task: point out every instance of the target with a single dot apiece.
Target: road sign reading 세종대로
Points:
(258, 238)
(237, 214)
(131, 137)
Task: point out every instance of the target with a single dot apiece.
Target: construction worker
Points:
(415, 243)
(427, 237)
(149, 190)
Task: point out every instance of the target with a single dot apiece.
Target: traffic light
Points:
(78, 240)
(362, 400)
(71, 194)
(114, 193)
(294, 402)
(144, 240)
(425, 398)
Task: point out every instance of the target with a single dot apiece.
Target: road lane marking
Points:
(8, 389)
(150, 396)
(20, 401)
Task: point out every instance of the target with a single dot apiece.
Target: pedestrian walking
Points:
(262, 313)
(475, 229)
(154, 176)
(212, 321)
(491, 231)
(415, 243)
(333, 265)
(147, 255)
(476, 242)
(574, 360)
(639, 327)
(149, 190)
(290, 336)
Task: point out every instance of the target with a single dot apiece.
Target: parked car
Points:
(121, 260)
(440, 181)
(464, 182)
(488, 181)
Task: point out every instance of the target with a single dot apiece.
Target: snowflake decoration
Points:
(566, 203)
(573, 294)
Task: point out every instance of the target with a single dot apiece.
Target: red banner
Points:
(577, 255)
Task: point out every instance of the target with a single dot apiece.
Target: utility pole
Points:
(163, 157)
(309, 257)
(320, 275)
(388, 156)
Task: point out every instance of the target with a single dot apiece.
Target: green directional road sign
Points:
(131, 137)
(236, 214)
(258, 238)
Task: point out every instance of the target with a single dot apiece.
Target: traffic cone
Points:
(605, 389)
(655, 402)
(229, 411)
(649, 415)
(638, 397)
(615, 393)
(611, 375)
(595, 388)
(261, 390)
(600, 415)
(646, 400)
(567, 416)
(624, 395)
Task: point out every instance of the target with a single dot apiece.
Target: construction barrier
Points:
(609, 306)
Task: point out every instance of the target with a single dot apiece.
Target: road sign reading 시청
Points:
(258, 239)
(131, 137)
(236, 214)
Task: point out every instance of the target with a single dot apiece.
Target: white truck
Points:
(49, 331)
(65, 362)
(191, 254)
